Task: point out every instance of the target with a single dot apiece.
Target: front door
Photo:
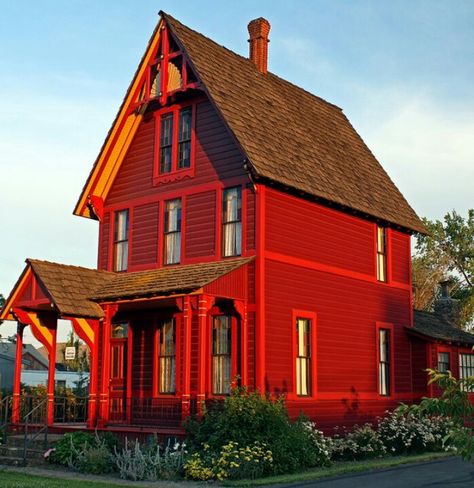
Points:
(118, 372)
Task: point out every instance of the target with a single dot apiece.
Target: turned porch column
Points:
(204, 305)
(186, 362)
(17, 374)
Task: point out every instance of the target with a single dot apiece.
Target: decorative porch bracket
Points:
(44, 329)
(88, 330)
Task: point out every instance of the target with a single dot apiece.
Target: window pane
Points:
(466, 367)
(303, 360)
(231, 219)
(384, 361)
(381, 239)
(443, 362)
(119, 331)
(185, 125)
(221, 355)
(166, 143)
(172, 248)
(173, 216)
(120, 259)
(167, 352)
(184, 155)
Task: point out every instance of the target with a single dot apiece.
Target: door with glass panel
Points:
(118, 371)
(224, 354)
(167, 357)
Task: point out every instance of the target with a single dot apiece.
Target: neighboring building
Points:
(62, 379)
(246, 233)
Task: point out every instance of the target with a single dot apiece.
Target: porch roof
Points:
(178, 279)
(432, 326)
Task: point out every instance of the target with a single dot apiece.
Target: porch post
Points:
(104, 394)
(94, 373)
(17, 374)
(204, 305)
(186, 362)
(241, 307)
(51, 373)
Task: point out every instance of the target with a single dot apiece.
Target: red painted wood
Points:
(400, 256)
(310, 231)
(144, 235)
(200, 219)
(104, 237)
(17, 375)
(231, 285)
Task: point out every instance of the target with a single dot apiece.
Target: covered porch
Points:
(162, 342)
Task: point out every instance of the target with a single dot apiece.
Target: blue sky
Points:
(401, 70)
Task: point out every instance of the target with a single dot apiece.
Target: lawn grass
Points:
(338, 469)
(21, 480)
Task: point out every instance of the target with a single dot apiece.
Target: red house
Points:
(247, 235)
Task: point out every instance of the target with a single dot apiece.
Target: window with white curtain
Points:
(167, 357)
(172, 244)
(381, 253)
(232, 222)
(303, 357)
(384, 362)
(121, 241)
(221, 354)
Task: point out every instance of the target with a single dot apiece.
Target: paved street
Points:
(445, 473)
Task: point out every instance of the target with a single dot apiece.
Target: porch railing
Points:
(67, 409)
(150, 412)
(5, 417)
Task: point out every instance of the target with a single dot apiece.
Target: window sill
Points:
(173, 176)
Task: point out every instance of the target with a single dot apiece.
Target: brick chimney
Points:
(258, 43)
(446, 307)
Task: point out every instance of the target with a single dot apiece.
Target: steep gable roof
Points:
(290, 136)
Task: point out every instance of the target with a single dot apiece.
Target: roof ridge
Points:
(249, 61)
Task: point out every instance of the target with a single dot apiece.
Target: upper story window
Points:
(121, 241)
(167, 351)
(232, 222)
(303, 356)
(384, 361)
(172, 232)
(174, 153)
(381, 253)
(443, 362)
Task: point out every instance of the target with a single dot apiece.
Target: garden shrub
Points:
(151, 463)
(362, 442)
(246, 418)
(410, 433)
(69, 443)
(232, 462)
(93, 458)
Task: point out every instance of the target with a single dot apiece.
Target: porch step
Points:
(17, 452)
(17, 440)
(11, 461)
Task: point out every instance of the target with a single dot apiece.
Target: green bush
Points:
(362, 442)
(247, 418)
(65, 447)
(92, 458)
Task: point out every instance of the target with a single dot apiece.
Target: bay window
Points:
(232, 222)
(172, 232)
(303, 356)
(167, 357)
(120, 241)
(221, 354)
(384, 361)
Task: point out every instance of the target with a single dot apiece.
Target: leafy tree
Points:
(446, 252)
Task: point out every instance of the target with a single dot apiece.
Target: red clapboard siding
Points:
(347, 311)
(310, 231)
(231, 285)
(200, 233)
(104, 235)
(217, 157)
(419, 365)
(144, 234)
(250, 219)
(251, 349)
(401, 255)
(194, 352)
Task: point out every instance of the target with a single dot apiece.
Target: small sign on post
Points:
(70, 353)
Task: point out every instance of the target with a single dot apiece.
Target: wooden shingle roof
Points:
(292, 137)
(431, 325)
(70, 287)
(176, 279)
